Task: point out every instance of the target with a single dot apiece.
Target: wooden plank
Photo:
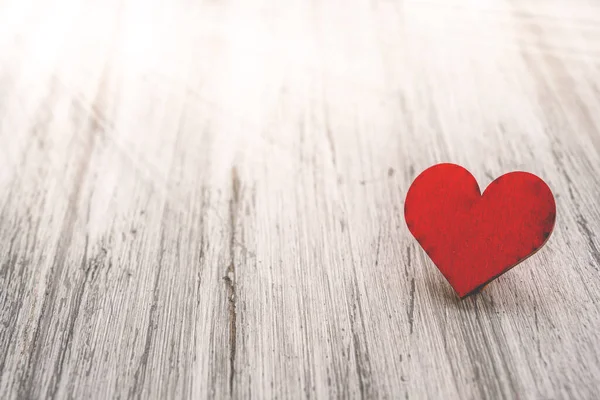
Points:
(204, 200)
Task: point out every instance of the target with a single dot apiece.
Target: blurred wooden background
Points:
(204, 199)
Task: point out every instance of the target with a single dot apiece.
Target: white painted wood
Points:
(204, 199)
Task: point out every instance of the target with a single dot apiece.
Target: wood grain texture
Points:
(204, 199)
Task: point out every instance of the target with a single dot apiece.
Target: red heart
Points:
(474, 238)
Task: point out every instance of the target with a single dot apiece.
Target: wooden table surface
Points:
(204, 199)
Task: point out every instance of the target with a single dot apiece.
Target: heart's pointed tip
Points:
(473, 292)
(467, 295)
(461, 295)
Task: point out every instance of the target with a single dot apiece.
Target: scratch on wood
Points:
(363, 368)
(411, 307)
(139, 376)
(378, 247)
(357, 357)
(408, 264)
(329, 136)
(537, 330)
(230, 277)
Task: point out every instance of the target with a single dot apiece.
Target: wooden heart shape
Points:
(474, 238)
